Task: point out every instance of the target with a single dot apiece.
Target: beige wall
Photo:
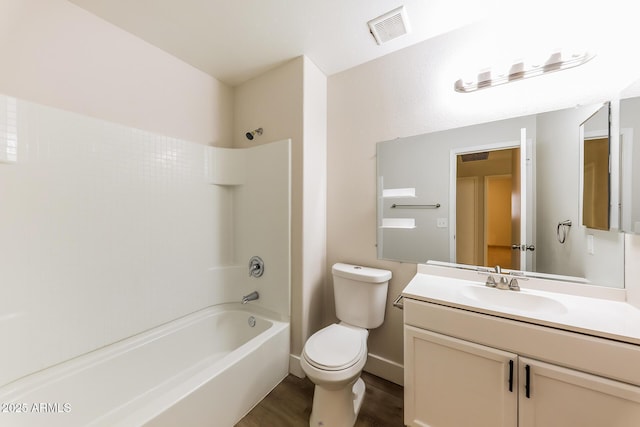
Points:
(57, 54)
(314, 202)
(290, 102)
(632, 268)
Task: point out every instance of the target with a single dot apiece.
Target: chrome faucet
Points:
(503, 283)
(251, 297)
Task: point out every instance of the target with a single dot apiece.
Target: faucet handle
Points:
(256, 266)
(491, 282)
(503, 283)
(513, 285)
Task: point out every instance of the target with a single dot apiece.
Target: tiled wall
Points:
(105, 231)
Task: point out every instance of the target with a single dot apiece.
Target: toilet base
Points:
(337, 408)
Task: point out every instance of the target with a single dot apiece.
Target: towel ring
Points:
(562, 231)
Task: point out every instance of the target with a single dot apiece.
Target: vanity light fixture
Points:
(522, 69)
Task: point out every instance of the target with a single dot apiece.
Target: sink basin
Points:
(517, 300)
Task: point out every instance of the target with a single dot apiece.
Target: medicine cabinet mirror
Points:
(596, 177)
(630, 156)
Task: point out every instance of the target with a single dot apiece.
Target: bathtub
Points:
(206, 369)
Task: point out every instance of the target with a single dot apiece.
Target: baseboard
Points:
(385, 368)
(294, 366)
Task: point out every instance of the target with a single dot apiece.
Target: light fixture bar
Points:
(520, 70)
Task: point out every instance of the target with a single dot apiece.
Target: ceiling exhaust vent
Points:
(389, 26)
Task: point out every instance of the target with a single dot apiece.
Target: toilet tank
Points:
(360, 294)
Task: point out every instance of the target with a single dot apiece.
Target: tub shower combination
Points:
(207, 368)
(126, 295)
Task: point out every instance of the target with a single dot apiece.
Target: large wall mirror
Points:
(506, 192)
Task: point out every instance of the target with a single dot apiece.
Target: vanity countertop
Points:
(600, 317)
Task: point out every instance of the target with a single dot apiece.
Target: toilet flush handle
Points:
(398, 302)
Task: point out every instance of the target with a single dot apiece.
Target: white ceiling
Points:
(235, 40)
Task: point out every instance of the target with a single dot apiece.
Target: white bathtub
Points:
(206, 369)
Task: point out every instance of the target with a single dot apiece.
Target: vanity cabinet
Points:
(559, 396)
(450, 382)
(501, 381)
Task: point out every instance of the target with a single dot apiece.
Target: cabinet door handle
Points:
(527, 381)
(511, 375)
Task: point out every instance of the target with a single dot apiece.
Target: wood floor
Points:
(289, 405)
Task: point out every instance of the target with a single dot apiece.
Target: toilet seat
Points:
(335, 347)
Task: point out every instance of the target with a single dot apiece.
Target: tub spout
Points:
(251, 297)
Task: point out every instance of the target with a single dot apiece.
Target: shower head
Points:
(251, 134)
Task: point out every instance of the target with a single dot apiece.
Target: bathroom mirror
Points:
(630, 156)
(595, 171)
(418, 216)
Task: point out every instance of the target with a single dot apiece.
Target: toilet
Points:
(334, 356)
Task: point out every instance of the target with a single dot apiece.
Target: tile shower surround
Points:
(105, 231)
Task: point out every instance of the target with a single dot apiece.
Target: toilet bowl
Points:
(333, 357)
(335, 354)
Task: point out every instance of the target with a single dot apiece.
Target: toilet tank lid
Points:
(363, 274)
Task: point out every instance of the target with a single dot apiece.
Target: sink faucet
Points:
(251, 297)
(503, 283)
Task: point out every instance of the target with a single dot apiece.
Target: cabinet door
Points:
(454, 383)
(551, 396)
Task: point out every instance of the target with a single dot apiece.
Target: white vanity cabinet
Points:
(450, 382)
(565, 397)
(472, 369)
